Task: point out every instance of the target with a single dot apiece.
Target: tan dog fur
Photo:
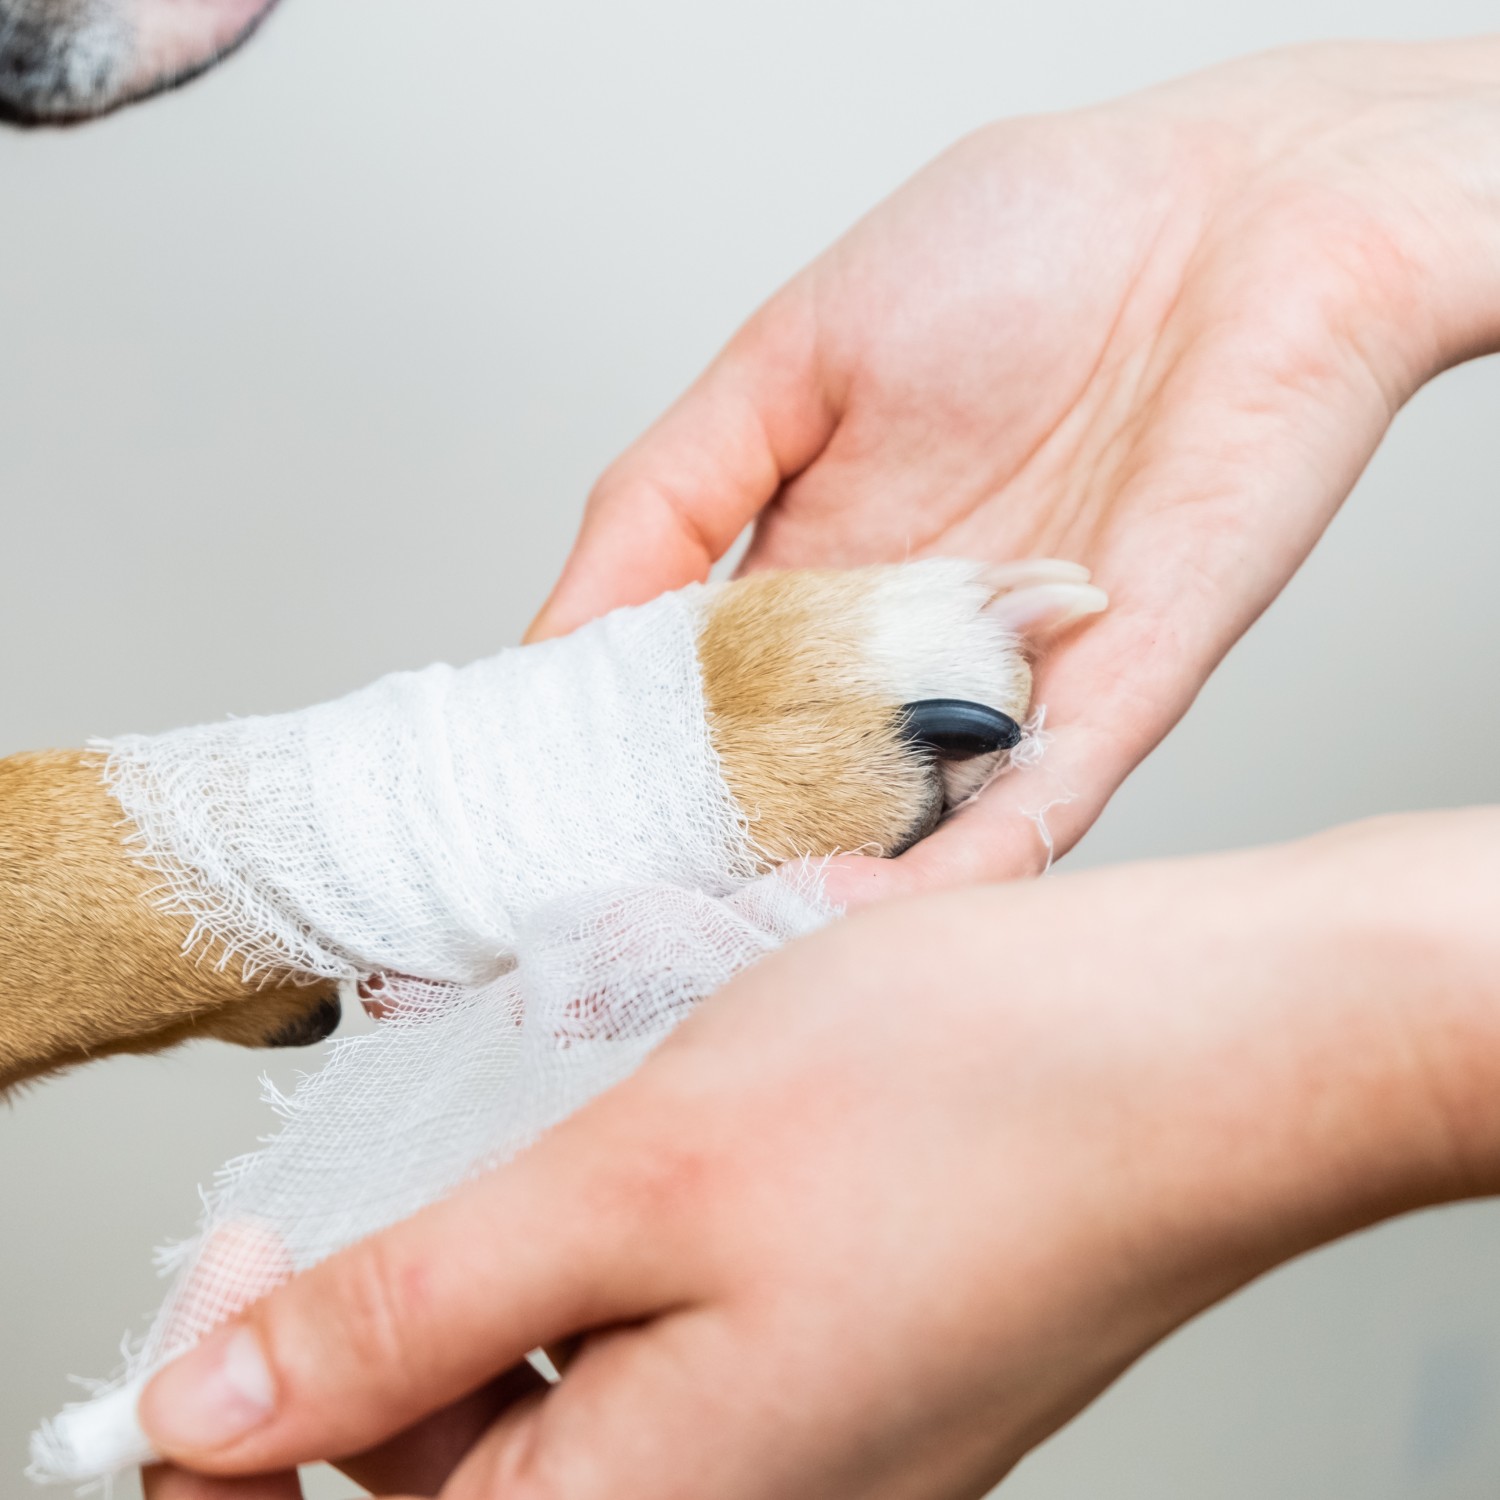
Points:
(88, 964)
(809, 742)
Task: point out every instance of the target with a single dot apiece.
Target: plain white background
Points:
(305, 374)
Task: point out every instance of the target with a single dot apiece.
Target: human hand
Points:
(854, 1231)
(1160, 338)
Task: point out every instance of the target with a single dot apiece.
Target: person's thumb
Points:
(673, 504)
(410, 1320)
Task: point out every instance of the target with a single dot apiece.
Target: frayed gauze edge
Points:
(544, 837)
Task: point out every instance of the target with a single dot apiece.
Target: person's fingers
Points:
(709, 1401)
(1031, 816)
(420, 1460)
(163, 1482)
(645, 1412)
(416, 1462)
(672, 505)
(420, 1316)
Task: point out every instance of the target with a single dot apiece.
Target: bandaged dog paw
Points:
(222, 881)
(414, 827)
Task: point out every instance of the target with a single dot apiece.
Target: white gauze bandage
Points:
(541, 854)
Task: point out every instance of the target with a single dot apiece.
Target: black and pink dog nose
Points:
(955, 729)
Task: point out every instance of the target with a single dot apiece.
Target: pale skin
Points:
(856, 1233)
(1161, 338)
(859, 1232)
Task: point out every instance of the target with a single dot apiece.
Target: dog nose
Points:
(68, 60)
(313, 1027)
(58, 61)
(955, 729)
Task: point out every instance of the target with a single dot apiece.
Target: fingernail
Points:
(210, 1397)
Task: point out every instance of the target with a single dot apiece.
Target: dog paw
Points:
(851, 710)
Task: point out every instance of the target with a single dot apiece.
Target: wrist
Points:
(1381, 162)
(1430, 137)
(1416, 898)
(1359, 1072)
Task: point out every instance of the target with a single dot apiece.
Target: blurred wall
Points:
(304, 374)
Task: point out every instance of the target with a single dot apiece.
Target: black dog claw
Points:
(954, 729)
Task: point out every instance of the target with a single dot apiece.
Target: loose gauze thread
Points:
(1028, 755)
(540, 855)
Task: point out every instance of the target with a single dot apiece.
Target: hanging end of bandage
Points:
(92, 1439)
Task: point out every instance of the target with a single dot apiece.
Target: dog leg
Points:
(89, 963)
